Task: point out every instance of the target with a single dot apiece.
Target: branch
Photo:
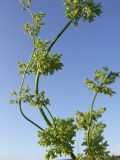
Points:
(37, 92)
(23, 79)
(73, 156)
(91, 110)
(38, 75)
(29, 120)
(61, 32)
(49, 113)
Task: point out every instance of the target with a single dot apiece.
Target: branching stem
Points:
(23, 79)
(38, 75)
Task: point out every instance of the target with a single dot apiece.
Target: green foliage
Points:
(40, 45)
(26, 4)
(87, 10)
(46, 63)
(25, 96)
(37, 20)
(22, 68)
(34, 28)
(58, 137)
(82, 119)
(80, 157)
(40, 100)
(42, 61)
(102, 81)
(97, 146)
(34, 100)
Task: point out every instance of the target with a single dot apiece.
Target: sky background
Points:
(84, 48)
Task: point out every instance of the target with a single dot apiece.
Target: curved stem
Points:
(20, 92)
(49, 113)
(93, 101)
(28, 118)
(27, 66)
(38, 75)
(91, 110)
(37, 92)
(45, 117)
(23, 79)
(61, 32)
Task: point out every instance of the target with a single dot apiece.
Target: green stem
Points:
(28, 118)
(37, 83)
(38, 75)
(37, 92)
(93, 101)
(50, 114)
(24, 75)
(22, 83)
(91, 110)
(61, 32)
(44, 116)
(73, 156)
(63, 143)
(23, 79)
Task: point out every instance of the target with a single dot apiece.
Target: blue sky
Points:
(84, 48)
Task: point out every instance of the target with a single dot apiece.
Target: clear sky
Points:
(84, 48)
